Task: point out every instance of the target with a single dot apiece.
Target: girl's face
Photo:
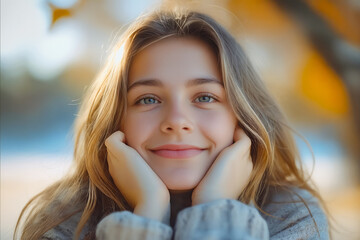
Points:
(178, 118)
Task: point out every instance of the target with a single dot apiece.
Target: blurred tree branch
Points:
(339, 54)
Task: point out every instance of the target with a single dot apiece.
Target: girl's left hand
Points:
(229, 174)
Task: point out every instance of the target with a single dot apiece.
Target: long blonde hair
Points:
(90, 190)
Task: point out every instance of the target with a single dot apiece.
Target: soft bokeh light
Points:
(64, 3)
(126, 11)
(49, 57)
(52, 49)
(23, 23)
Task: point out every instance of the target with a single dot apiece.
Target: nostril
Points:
(175, 127)
(183, 128)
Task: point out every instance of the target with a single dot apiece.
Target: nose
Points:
(176, 120)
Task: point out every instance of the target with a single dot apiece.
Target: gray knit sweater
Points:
(284, 216)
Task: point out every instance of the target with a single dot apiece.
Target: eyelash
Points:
(138, 102)
(212, 99)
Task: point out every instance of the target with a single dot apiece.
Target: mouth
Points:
(177, 151)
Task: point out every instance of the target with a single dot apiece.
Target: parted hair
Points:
(89, 190)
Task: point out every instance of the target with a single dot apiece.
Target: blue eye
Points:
(205, 99)
(147, 101)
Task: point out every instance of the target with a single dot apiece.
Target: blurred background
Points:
(306, 51)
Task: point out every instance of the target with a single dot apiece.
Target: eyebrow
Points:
(158, 83)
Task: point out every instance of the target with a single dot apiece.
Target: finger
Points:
(241, 145)
(114, 138)
(240, 136)
(119, 150)
(119, 135)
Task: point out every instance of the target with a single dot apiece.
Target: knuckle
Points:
(110, 139)
(107, 141)
(251, 164)
(247, 142)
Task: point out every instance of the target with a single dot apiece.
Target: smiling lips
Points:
(177, 151)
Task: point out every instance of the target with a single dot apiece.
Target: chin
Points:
(178, 182)
(181, 187)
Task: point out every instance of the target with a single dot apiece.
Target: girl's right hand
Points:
(134, 178)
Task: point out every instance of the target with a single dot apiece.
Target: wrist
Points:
(197, 199)
(154, 211)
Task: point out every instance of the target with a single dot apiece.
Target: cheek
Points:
(138, 128)
(219, 127)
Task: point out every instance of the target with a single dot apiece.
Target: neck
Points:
(178, 201)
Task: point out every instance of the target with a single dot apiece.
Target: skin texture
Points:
(177, 116)
(176, 96)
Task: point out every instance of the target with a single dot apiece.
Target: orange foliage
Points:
(261, 14)
(58, 13)
(322, 86)
(341, 16)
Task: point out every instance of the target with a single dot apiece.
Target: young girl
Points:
(178, 138)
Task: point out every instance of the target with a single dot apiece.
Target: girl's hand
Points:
(134, 178)
(229, 174)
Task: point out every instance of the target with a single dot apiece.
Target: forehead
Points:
(176, 58)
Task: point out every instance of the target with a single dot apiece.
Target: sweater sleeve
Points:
(290, 218)
(221, 219)
(65, 230)
(126, 225)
